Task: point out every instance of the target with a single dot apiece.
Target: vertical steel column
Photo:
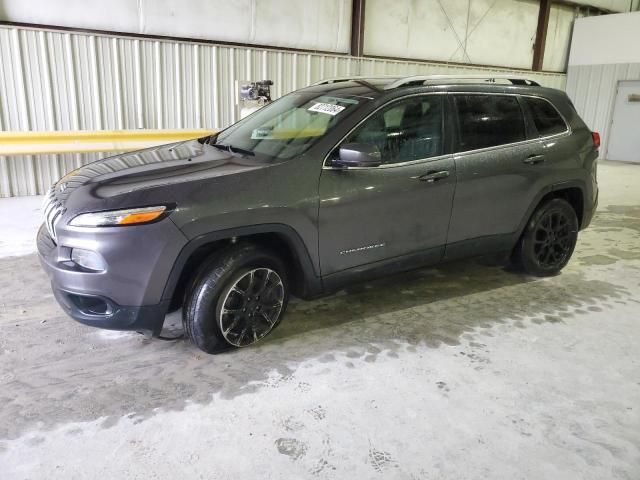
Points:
(541, 35)
(357, 28)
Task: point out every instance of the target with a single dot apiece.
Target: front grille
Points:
(53, 211)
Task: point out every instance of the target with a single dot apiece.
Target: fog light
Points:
(88, 259)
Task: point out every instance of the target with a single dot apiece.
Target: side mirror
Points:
(358, 155)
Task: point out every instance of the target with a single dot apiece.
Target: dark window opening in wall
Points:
(488, 121)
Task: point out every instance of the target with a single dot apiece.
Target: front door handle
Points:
(534, 159)
(431, 177)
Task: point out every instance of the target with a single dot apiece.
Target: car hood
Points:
(154, 167)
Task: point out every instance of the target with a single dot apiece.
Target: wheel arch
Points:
(280, 238)
(572, 191)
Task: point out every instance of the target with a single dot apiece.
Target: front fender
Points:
(312, 280)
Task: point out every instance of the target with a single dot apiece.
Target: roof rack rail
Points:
(423, 79)
(327, 81)
(395, 81)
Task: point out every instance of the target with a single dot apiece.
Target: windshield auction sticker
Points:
(328, 108)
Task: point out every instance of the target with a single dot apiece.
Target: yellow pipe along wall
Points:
(82, 141)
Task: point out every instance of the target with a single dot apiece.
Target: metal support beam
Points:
(541, 34)
(357, 28)
(82, 141)
(592, 9)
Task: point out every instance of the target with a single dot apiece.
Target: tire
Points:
(237, 298)
(548, 240)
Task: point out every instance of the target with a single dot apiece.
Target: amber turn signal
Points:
(145, 217)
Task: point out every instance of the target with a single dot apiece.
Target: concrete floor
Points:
(464, 371)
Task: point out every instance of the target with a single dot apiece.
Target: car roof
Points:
(393, 85)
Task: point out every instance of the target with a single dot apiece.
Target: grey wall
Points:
(592, 88)
(604, 51)
(561, 21)
(315, 25)
(55, 80)
(52, 80)
(489, 32)
(484, 32)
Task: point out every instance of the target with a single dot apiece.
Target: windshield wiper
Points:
(232, 149)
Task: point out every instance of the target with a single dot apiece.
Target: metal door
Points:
(624, 139)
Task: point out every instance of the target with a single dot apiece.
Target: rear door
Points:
(499, 165)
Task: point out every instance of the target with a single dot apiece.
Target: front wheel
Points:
(549, 238)
(237, 299)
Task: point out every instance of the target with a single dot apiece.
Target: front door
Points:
(399, 208)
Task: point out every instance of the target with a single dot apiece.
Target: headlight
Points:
(132, 216)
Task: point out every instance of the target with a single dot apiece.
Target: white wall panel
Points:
(94, 14)
(556, 54)
(52, 80)
(314, 25)
(487, 32)
(502, 32)
(607, 39)
(592, 88)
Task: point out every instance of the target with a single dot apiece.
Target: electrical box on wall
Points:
(253, 96)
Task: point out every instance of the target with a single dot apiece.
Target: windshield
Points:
(287, 127)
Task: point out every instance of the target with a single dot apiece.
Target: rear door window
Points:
(545, 116)
(488, 121)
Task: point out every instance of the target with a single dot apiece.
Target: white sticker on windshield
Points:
(328, 108)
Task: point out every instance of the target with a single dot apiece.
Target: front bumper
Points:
(128, 294)
(109, 315)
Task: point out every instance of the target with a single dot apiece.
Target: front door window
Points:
(407, 130)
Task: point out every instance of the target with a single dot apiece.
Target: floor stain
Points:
(318, 413)
(291, 447)
(380, 460)
(598, 260)
(324, 463)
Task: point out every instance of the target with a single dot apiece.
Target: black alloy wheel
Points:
(549, 238)
(553, 239)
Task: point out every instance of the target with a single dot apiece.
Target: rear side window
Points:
(488, 121)
(545, 117)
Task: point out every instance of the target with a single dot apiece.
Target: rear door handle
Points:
(434, 176)
(534, 159)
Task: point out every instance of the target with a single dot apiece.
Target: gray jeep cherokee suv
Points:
(342, 181)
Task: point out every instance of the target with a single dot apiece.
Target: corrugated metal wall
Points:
(53, 80)
(592, 88)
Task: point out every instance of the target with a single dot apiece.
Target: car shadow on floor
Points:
(437, 306)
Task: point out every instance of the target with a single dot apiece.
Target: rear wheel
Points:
(549, 238)
(237, 299)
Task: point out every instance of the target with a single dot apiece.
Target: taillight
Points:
(596, 139)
